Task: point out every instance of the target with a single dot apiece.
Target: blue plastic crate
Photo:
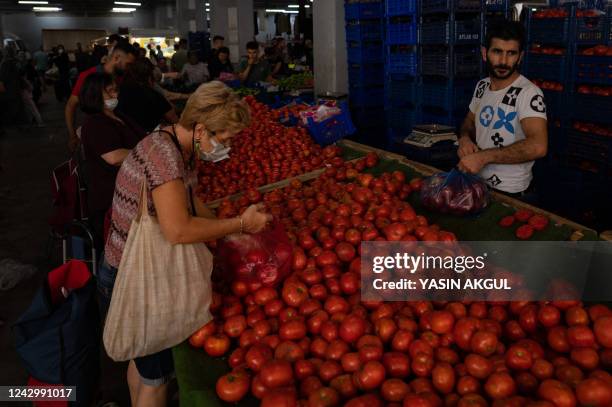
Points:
(401, 118)
(547, 67)
(368, 74)
(435, 32)
(437, 6)
(401, 61)
(439, 32)
(333, 129)
(593, 69)
(549, 30)
(369, 117)
(360, 30)
(401, 7)
(496, 5)
(402, 32)
(365, 52)
(589, 147)
(555, 104)
(447, 95)
(591, 30)
(364, 96)
(400, 93)
(359, 11)
(466, 62)
(591, 108)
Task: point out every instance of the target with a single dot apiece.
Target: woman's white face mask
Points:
(219, 152)
(111, 103)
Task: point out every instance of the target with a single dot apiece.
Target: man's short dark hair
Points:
(91, 99)
(114, 38)
(252, 45)
(218, 38)
(126, 47)
(223, 50)
(506, 30)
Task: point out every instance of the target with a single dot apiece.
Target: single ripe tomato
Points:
(518, 358)
(524, 232)
(506, 221)
(538, 222)
(500, 386)
(232, 387)
(523, 215)
(594, 392)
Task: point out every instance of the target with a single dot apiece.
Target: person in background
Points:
(194, 72)
(82, 58)
(136, 45)
(26, 89)
(180, 57)
(140, 101)
(164, 162)
(217, 43)
(34, 78)
(107, 136)
(62, 84)
(112, 41)
(254, 69)
(220, 63)
(275, 62)
(10, 97)
(309, 53)
(159, 53)
(41, 64)
(123, 54)
(162, 64)
(505, 129)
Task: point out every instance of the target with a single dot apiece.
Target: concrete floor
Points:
(27, 156)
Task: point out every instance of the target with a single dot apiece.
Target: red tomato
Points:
(276, 373)
(370, 376)
(478, 366)
(232, 387)
(323, 397)
(394, 390)
(524, 232)
(523, 215)
(443, 378)
(484, 343)
(506, 221)
(216, 345)
(518, 358)
(500, 386)
(556, 392)
(538, 222)
(603, 331)
(594, 392)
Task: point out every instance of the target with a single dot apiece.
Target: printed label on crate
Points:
(485, 271)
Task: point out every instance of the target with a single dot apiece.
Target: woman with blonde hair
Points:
(164, 162)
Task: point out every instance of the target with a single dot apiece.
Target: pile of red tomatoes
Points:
(264, 153)
(313, 342)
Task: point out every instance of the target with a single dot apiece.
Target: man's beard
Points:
(509, 70)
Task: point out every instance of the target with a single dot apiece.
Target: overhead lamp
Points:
(123, 10)
(207, 4)
(277, 10)
(176, 39)
(32, 2)
(127, 3)
(207, 10)
(46, 9)
(297, 6)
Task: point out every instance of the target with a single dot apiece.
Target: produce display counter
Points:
(197, 372)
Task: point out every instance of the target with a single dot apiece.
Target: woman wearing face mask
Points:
(164, 164)
(108, 137)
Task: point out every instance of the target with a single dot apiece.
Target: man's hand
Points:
(466, 147)
(472, 163)
(252, 60)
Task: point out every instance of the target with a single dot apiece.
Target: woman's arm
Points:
(179, 227)
(115, 157)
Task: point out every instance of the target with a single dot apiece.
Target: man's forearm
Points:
(245, 74)
(468, 129)
(519, 152)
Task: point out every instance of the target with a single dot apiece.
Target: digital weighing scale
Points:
(426, 135)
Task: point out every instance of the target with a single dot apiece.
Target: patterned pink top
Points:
(155, 157)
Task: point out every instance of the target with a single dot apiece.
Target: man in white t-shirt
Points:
(195, 72)
(505, 129)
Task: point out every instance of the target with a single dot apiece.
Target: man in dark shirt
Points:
(255, 68)
(217, 44)
(220, 63)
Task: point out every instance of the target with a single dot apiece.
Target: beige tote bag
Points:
(162, 293)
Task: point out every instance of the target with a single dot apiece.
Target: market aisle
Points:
(27, 156)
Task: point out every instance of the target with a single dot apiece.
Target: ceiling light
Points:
(207, 4)
(207, 10)
(176, 39)
(33, 2)
(293, 6)
(127, 3)
(122, 10)
(278, 10)
(44, 9)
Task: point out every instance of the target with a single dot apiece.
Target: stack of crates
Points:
(573, 67)
(451, 34)
(401, 69)
(365, 57)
